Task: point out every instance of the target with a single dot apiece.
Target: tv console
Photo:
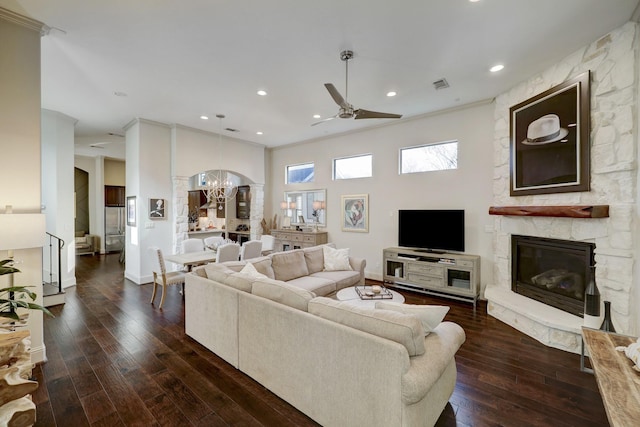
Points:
(448, 275)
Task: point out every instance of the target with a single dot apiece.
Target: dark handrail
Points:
(60, 246)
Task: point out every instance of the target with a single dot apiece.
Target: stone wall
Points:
(613, 61)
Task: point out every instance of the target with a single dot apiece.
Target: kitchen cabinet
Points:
(114, 195)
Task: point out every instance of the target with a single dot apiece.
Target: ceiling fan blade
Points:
(324, 120)
(366, 114)
(336, 95)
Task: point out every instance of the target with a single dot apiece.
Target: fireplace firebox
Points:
(552, 271)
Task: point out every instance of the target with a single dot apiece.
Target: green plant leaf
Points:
(10, 315)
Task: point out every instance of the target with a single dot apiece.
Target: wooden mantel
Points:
(576, 211)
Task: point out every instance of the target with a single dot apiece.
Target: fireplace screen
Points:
(554, 272)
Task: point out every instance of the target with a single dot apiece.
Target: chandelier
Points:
(219, 187)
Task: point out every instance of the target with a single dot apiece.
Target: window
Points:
(300, 173)
(430, 157)
(353, 167)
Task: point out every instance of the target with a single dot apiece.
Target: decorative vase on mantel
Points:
(607, 323)
(592, 302)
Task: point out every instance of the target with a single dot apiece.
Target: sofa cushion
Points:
(217, 272)
(342, 279)
(401, 328)
(289, 265)
(335, 259)
(314, 258)
(263, 266)
(281, 292)
(250, 270)
(240, 281)
(234, 265)
(429, 315)
(318, 285)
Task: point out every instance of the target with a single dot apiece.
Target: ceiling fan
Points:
(346, 110)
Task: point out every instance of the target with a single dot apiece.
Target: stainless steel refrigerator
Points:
(114, 229)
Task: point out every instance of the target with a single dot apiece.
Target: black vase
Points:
(592, 296)
(607, 324)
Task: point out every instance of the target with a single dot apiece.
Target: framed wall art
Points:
(355, 213)
(131, 211)
(157, 208)
(549, 140)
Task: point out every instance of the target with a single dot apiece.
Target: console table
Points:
(286, 240)
(618, 382)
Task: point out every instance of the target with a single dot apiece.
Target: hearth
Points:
(552, 271)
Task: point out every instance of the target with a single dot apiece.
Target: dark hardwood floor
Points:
(114, 359)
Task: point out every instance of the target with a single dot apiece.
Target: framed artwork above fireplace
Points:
(549, 140)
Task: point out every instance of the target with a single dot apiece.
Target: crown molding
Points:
(22, 20)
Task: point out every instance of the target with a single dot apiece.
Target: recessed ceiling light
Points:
(316, 116)
(474, 1)
(118, 93)
(496, 68)
(204, 117)
(259, 133)
(262, 93)
(392, 93)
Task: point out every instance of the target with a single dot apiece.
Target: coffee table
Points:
(351, 296)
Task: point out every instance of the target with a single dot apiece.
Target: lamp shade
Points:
(292, 205)
(318, 204)
(283, 205)
(22, 231)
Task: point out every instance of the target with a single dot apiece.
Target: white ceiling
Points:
(178, 60)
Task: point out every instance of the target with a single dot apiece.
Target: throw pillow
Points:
(250, 270)
(429, 315)
(336, 259)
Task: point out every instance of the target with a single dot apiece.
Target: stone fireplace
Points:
(613, 61)
(552, 271)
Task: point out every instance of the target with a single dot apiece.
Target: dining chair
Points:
(251, 249)
(268, 243)
(160, 275)
(213, 241)
(228, 252)
(192, 245)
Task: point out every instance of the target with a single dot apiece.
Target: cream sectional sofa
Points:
(340, 364)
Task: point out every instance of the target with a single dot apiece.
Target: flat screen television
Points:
(434, 230)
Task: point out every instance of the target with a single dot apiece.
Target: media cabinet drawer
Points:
(433, 270)
(430, 281)
(464, 263)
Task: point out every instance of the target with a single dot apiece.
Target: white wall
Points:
(20, 144)
(196, 151)
(57, 193)
(147, 170)
(469, 187)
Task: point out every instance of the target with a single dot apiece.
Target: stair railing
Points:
(60, 244)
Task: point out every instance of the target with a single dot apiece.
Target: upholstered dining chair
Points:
(228, 252)
(160, 275)
(192, 245)
(251, 249)
(213, 241)
(268, 243)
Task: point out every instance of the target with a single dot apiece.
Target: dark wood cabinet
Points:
(196, 200)
(243, 202)
(114, 195)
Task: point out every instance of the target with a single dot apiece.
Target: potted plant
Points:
(14, 297)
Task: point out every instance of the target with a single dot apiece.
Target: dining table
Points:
(191, 259)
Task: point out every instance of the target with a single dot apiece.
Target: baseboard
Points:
(138, 280)
(39, 354)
